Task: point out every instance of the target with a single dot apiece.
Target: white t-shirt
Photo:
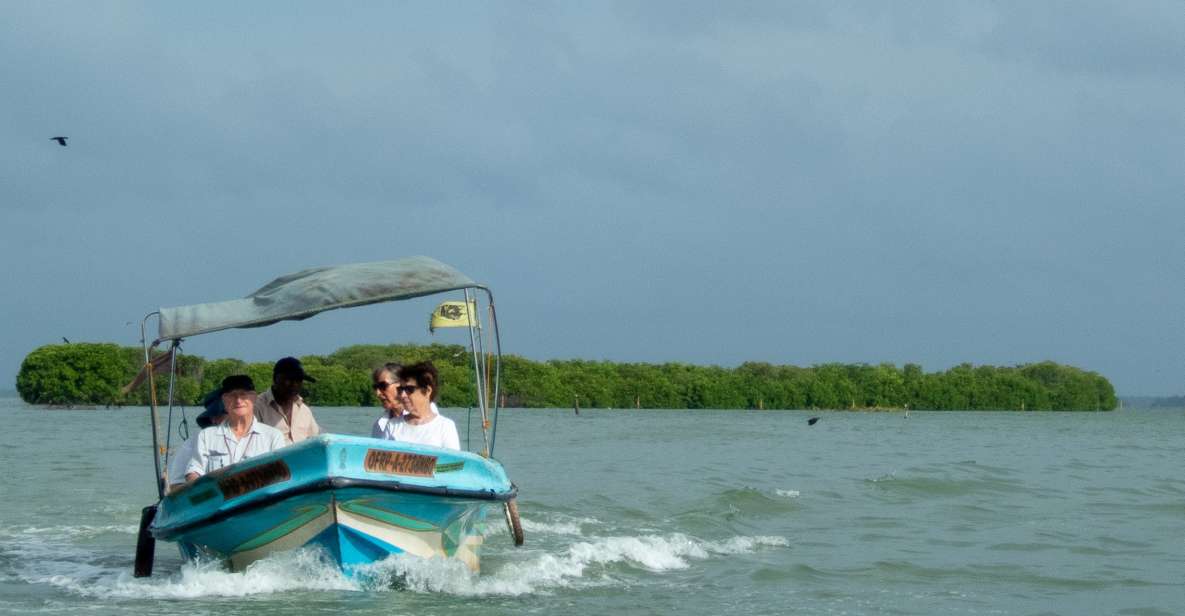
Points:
(440, 432)
(384, 425)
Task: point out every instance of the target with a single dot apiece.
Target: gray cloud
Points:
(936, 183)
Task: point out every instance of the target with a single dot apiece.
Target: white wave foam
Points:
(580, 566)
(45, 557)
(563, 526)
(299, 570)
(786, 493)
(651, 552)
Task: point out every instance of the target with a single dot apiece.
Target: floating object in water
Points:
(812, 421)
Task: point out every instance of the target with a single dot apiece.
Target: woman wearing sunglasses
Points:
(408, 393)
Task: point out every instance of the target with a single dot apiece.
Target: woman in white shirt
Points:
(386, 379)
(408, 393)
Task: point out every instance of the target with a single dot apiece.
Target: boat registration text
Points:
(400, 463)
(253, 479)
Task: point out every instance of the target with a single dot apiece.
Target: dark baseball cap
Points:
(237, 381)
(290, 366)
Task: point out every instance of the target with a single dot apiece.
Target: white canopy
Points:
(312, 291)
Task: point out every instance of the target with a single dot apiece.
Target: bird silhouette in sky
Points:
(61, 140)
(64, 339)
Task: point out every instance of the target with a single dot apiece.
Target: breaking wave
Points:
(300, 570)
(582, 564)
(61, 557)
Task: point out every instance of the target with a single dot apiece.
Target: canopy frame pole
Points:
(160, 487)
(176, 346)
(497, 364)
(484, 390)
(481, 402)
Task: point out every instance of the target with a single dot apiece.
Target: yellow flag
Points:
(453, 314)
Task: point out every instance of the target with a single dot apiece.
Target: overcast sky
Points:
(716, 182)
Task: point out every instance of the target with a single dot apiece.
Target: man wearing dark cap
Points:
(240, 437)
(281, 406)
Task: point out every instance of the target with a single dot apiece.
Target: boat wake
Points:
(300, 570)
(96, 563)
(597, 562)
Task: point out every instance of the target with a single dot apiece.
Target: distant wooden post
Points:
(576, 405)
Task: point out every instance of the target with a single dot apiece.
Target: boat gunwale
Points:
(169, 533)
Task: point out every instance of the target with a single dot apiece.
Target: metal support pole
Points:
(497, 367)
(172, 385)
(160, 488)
(481, 403)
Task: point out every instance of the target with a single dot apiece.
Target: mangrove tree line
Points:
(91, 373)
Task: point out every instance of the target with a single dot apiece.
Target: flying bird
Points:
(61, 140)
(811, 421)
(65, 340)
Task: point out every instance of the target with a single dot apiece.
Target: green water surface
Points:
(668, 512)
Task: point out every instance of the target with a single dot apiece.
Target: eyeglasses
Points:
(402, 389)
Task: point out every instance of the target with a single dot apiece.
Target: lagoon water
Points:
(668, 512)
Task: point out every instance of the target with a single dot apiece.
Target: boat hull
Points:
(359, 499)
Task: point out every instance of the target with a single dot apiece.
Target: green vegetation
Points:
(94, 373)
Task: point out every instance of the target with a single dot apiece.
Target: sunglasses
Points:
(403, 389)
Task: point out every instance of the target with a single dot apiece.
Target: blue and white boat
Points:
(359, 499)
